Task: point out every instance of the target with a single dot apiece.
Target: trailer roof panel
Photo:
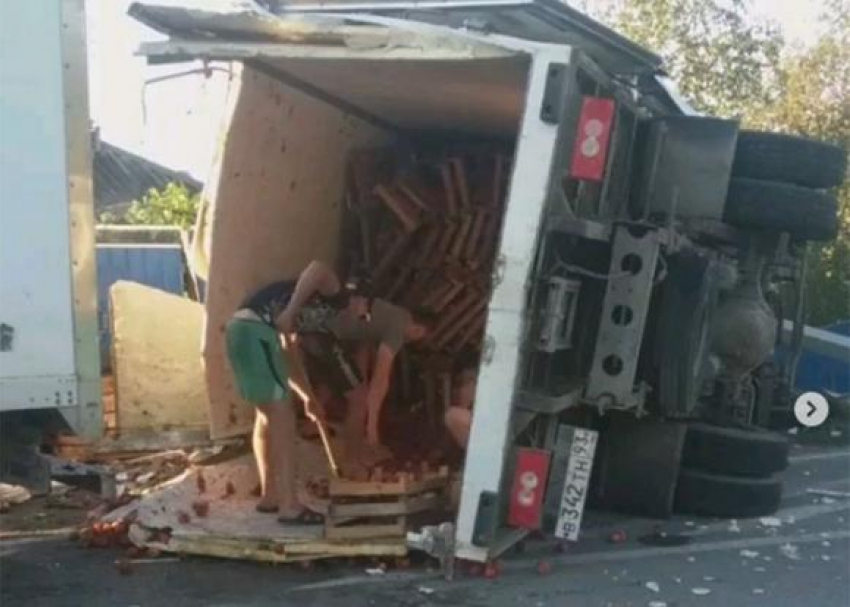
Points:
(547, 21)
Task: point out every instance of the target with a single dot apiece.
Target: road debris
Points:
(692, 559)
(653, 586)
(426, 590)
(656, 604)
(375, 571)
(544, 567)
(790, 551)
(13, 495)
(701, 591)
(733, 526)
(759, 569)
(491, 571)
(617, 537)
(758, 590)
(749, 554)
(770, 521)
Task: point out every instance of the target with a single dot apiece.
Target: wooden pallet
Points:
(376, 509)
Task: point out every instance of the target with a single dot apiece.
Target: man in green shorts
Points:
(266, 341)
(264, 373)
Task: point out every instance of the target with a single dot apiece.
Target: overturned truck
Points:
(641, 256)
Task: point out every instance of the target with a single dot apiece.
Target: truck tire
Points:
(751, 452)
(789, 159)
(768, 205)
(705, 494)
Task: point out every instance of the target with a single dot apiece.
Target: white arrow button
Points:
(811, 409)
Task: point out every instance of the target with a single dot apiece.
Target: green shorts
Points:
(257, 360)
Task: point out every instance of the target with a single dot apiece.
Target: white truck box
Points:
(48, 321)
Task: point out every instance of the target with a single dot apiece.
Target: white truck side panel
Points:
(35, 297)
(497, 379)
(45, 206)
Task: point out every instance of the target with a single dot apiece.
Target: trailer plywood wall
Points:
(275, 204)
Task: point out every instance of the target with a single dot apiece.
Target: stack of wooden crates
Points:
(424, 230)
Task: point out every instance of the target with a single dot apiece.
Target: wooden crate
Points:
(376, 509)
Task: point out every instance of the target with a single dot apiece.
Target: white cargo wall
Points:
(48, 346)
(276, 192)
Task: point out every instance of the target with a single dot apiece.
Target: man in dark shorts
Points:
(362, 329)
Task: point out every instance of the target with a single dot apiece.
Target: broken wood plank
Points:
(339, 487)
(408, 216)
(459, 243)
(409, 190)
(457, 310)
(461, 323)
(475, 235)
(444, 246)
(411, 505)
(265, 550)
(475, 328)
(441, 290)
(448, 297)
(430, 483)
(346, 488)
(359, 532)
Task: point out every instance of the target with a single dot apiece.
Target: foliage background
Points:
(172, 206)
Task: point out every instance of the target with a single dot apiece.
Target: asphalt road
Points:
(802, 557)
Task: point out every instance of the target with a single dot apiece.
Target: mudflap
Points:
(638, 466)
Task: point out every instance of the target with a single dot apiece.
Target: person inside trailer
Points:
(458, 417)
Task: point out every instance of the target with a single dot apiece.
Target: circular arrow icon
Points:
(811, 409)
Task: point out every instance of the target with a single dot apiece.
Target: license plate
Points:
(576, 483)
